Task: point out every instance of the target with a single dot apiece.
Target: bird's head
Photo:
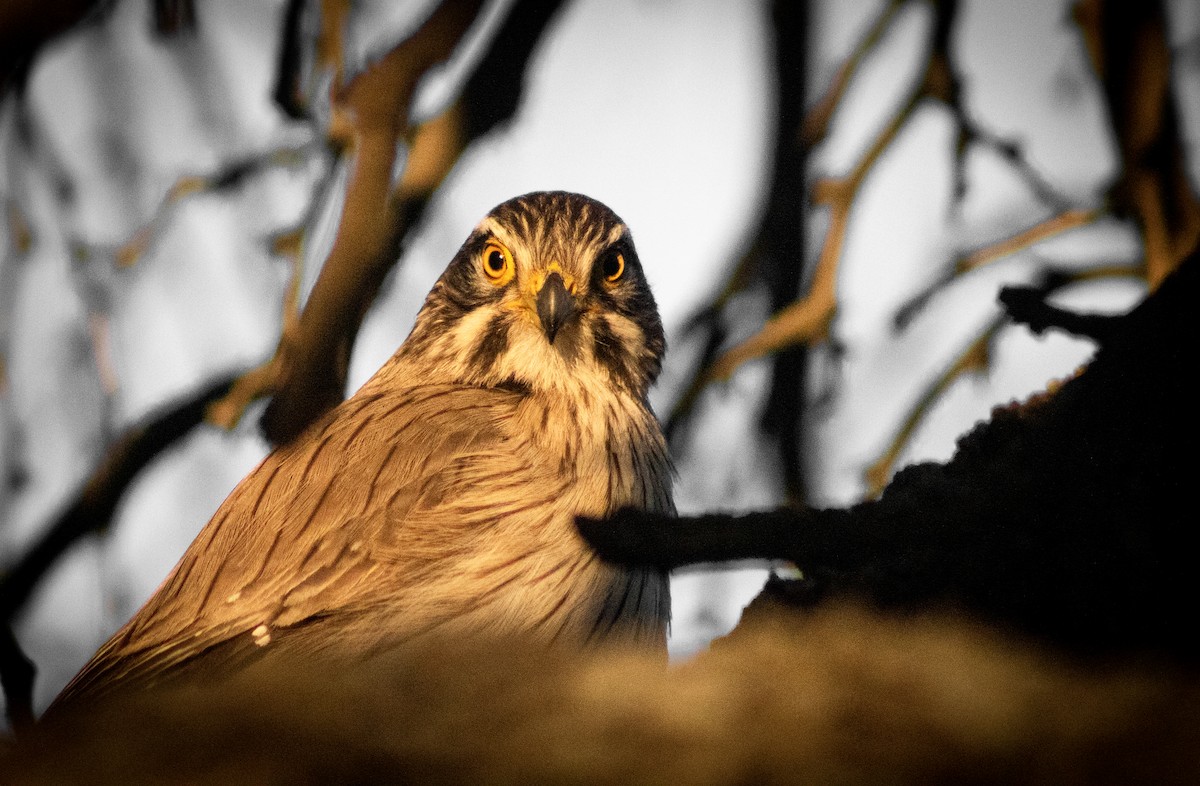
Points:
(547, 289)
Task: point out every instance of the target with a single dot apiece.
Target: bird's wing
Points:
(313, 528)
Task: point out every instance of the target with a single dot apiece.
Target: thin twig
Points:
(1043, 230)
(976, 357)
(709, 323)
(228, 177)
(816, 123)
(993, 252)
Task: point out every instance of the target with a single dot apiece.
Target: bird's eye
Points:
(613, 267)
(497, 263)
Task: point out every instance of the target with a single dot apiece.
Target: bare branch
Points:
(815, 127)
(977, 357)
(807, 319)
(1127, 42)
(992, 252)
(775, 255)
(1044, 230)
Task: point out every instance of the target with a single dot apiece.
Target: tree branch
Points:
(1043, 230)
(1127, 42)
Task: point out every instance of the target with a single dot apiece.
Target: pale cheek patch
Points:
(627, 332)
(467, 331)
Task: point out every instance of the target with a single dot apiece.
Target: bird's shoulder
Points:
(311, 527)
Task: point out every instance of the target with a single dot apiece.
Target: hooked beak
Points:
(555, 305)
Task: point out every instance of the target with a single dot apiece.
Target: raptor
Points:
(442, 495)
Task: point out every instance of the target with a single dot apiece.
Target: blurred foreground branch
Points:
(841, 696)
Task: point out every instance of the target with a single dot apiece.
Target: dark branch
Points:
(16, 678)
(1067, 517)
(634, 536)
(775, 256)
(173, 17)
(287, 93)
(494, 91)
(27, 25)
(1028, 306)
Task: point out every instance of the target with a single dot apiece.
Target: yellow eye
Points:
(613, 268)
(497, 263)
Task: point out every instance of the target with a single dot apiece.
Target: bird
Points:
(441, 496)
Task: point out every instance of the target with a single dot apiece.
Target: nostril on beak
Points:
(555, 305)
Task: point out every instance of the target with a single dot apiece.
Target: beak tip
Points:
(555, 305)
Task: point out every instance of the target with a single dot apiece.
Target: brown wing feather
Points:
(308, 531)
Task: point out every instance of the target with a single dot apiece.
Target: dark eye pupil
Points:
(612, 266)
(495, 261)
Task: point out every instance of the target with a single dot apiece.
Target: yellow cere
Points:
(538, 278)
